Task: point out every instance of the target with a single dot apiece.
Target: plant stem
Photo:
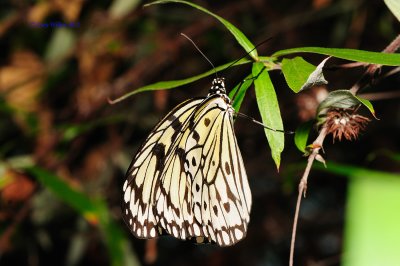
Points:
(317, 145)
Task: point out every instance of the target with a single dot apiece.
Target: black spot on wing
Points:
(206, 122)
(215, 209)
(227, 206)
(159, 152)
(196, 136)
(175, 123)
(227, 168)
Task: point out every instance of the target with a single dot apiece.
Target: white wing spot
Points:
(127, 195)
(175, 232)
(196, 229)
(153, 232)
(225, 237)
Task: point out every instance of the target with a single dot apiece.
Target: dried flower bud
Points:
(345, 123)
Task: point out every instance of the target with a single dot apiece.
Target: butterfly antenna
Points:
(198, 49)
(261, 124)
(261, 43)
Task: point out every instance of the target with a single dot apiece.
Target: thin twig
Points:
(368, 74)
(380, 95)
(317, 145)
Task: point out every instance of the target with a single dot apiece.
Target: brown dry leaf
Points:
(318, 4)
(151, 252)
(69, 8)
(97, 161)
(39, 11)
(161, 99)
(19, 189)
(22, 80)
(47, 138)
(96, 67)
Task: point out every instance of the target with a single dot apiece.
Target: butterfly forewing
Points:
(188, 178)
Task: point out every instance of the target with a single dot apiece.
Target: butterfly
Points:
(188, 178)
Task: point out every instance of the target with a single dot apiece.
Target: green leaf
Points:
(394, 6)
(385, 153)
(367, 104)
(61, 43)
(301, 135)
(348, 54)
(120, 8)
(165, 85)
(95, 211)
(269, 110)
(72, 197)
(372, 232)
(316, 78)
(342, 99)
(296, 72)
(240, 91)
(239, 36)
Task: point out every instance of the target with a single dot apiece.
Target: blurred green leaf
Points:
(120, 8)
(348, 54)
(94, 210)
(296, 72)
(394, 6)
(384, 152)
(269, 110)
(301, 135)
(239, 91)
(372, 231)
(71, 131)
(165, 85)
(61, 43)
(76, 199)
(239, 36)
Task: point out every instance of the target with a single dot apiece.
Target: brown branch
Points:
(317, 145)
(369, 73)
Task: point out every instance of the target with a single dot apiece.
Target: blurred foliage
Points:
(64, 150)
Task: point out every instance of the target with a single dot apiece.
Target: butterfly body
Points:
(188, 178)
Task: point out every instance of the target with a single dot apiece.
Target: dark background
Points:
(54, 113)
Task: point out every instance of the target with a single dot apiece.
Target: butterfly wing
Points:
(188, 179)
(143, 175)
(221, 197)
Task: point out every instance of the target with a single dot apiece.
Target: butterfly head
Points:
(218, 86)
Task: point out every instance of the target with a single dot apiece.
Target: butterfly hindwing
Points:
(188, 178)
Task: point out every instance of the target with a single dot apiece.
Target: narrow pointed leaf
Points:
(239, 36)
(269, 110)
(349, 54)
(171, 84)
(239, 92)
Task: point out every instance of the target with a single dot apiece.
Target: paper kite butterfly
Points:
(188, 179)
